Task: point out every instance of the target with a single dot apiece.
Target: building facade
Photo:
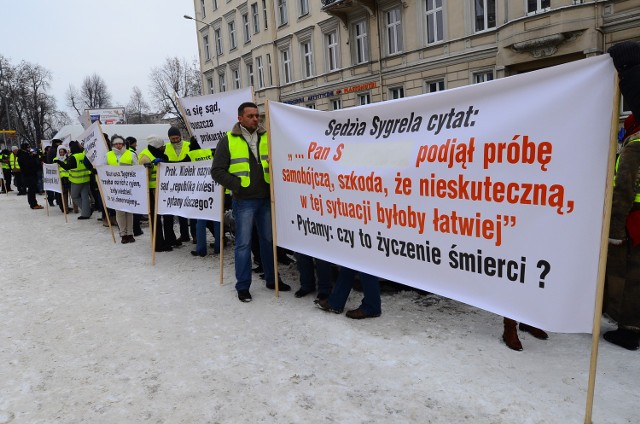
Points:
(333, 54)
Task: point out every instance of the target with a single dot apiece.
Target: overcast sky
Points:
(121, 40)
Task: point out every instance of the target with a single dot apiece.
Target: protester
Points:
(176, 151)
(196, 153)
(5, 156)
(241, 165)
(510, 334)
(623, 262)
(29, 164)
(132, 143)
(370, 306)
(121, 156)
(15, 171)
(79, 177)
(63, 155)
(150, 157)
(306, 266)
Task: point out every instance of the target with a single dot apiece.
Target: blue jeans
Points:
(306, 266)
(201, 235)
(370, 286)
(245, 213)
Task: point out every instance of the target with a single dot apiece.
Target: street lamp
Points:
(215, 45)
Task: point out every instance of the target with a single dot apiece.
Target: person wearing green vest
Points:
(6, 169)
(176, 151)
(199, 226)
(241, 164)
(63, 155)
(79, 177)
(622, 299)
(16, 172)
(121, 156)
(150, 157)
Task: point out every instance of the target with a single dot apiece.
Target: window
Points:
(303, 6)
(270, 69)
(336, 104)
(232, 35)
(364, 99)
(285, 57)
(217, 33)
(215, 4)
(256, 18)
(485, 14)
(393, 27)
(483, 76)
(396, 92)
(282, 12)
(222, 82)
(537, 6)
(433, 86)
(236, 78)
(361, 42)
(246, 28)
(307, 59)
(331, 40)
(203, 12)
(250, 74)
(205, 46)
(264, 13)
(210, 85)
(434, 21)
(310, 105)
(260, 67)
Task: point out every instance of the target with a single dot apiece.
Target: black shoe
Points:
(284, 260)
(176, 243)
(164, 248)
(322, 296)
(184, 238)
(324, 305)
(360, 314)
(258, 269)
(624, 338)
(22, 194)
(195, 253)
(303, 292)
(84, 217)
(138, 233)
(281, 285)
(244, 296)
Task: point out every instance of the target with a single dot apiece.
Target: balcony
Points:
(343, 8)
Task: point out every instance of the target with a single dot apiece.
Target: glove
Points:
(148, 165)
(58, 161)
(157, 161)
(615, 242)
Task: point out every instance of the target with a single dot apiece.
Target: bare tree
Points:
(174, 76)
(137, 107)
(73, 99)
(94, 92)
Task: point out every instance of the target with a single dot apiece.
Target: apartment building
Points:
(334, 54)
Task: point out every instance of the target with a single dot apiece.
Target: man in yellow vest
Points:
(6, 169)
(176, 151)
(79, 177)
(241, 164)
(16, 171)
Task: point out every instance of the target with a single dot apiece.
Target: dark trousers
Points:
(31, 185)
(17, 180)
(7, 178)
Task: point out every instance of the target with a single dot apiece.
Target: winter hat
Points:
(174, 131)
(155, 141)
(631, 126)
(625, 55)
(14, 148)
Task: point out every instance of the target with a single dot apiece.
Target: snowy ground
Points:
(93, 333)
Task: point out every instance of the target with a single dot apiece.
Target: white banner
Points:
(491, 194)
(186, 189)
(51, 177)
(125, 188)
(211, 116)
(95, 146)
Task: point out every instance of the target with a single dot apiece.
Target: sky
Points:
(120, 40)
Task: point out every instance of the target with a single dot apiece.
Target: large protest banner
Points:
(95, 147)
(491, 194)
(125, 188)
(187, 190)
(51, 178)
(211, 116)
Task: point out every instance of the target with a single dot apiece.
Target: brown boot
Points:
(510, 335)
(535, 332)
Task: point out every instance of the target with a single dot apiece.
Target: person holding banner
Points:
(241, 165)
(176, 151)
(623, 262)
(6, 169)
(121, 156)
(150, 157)
(63, 199)
(79, 177)
(132, 144)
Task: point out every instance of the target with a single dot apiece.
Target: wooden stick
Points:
(274, 245)
(106, 210)
(222, 235)
(604, 246)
